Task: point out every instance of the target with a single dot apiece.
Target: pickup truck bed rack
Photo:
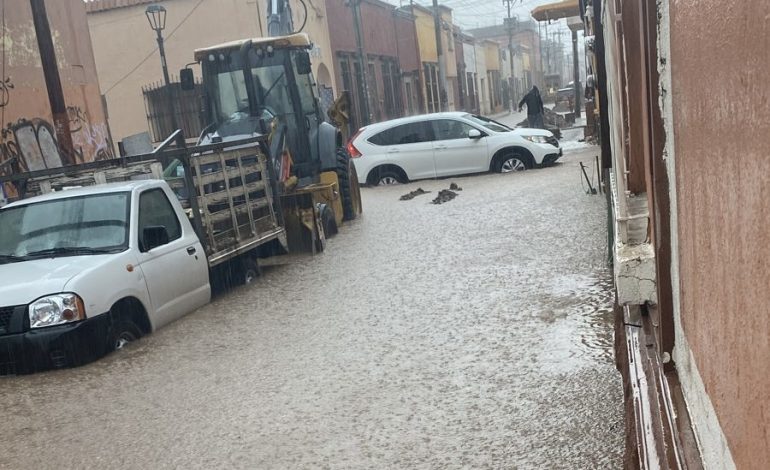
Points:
(235, 209)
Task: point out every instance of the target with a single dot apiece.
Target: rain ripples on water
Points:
(473, 334)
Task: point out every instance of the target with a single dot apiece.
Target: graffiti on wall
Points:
(27, 146)
(77, 118)
(28, 136)
(90, 140)
(5, 92)
(31, 145)
(28, 140)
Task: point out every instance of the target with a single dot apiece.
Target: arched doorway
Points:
(324, 77)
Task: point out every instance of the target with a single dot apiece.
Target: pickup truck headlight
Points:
(538, 139)
(56, 309)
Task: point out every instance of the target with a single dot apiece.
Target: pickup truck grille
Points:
(6, 313)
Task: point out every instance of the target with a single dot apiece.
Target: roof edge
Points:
(97, 6)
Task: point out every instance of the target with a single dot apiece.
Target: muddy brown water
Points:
(475, 334)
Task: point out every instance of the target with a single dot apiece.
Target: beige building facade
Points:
(127, 57)
(426, 42)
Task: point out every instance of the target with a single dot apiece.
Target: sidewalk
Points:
(570, 137)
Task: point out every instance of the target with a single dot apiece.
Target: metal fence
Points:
(188, 107)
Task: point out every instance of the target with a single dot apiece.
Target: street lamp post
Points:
(156, 15)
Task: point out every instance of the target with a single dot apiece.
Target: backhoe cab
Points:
(266, 86)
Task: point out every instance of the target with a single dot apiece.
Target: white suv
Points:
(446, 144)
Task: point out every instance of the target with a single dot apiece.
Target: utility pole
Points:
(575, 63)
(559, 52)
(442, 93)
(355, 6)
(279, 19)
(510, 50)
(540, 47)
(61, 119)
(547, 51)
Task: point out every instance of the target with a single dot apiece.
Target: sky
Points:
(470, 14)
(476, 13)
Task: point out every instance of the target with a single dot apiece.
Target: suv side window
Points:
(412, 133)
(450, 129)
(155, 210)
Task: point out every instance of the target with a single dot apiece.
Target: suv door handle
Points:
(441, 147)
(393, 150)
(190, 250)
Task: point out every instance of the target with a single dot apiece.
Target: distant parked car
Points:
(446, 144)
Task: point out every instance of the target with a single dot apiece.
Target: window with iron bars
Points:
(391, 78)
(187, 105)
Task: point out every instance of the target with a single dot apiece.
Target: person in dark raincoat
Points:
(535, 108)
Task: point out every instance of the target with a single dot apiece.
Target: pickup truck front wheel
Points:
(124, 331)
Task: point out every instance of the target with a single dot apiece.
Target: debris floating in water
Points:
(445, 195)
(413, 194)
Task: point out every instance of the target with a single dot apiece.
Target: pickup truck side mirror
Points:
(186, 79)
(154, 236)
(474, 134)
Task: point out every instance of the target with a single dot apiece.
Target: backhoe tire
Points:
(328, 220)
(349, 188)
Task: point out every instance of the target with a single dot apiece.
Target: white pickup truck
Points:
(84, 271)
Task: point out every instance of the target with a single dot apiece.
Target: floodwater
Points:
(472, 334)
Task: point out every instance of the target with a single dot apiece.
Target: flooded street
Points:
(472, 334)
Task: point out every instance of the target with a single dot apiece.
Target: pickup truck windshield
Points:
(65, 227)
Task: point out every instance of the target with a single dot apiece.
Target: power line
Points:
(152, 53)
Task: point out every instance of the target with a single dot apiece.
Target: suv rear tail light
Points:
(352, 150)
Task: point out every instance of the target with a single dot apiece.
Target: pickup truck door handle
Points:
(190, 250)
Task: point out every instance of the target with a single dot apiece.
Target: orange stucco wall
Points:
(25, 112)
(719, 69)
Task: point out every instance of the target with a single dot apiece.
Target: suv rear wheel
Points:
(387, 179)
(385, 176)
